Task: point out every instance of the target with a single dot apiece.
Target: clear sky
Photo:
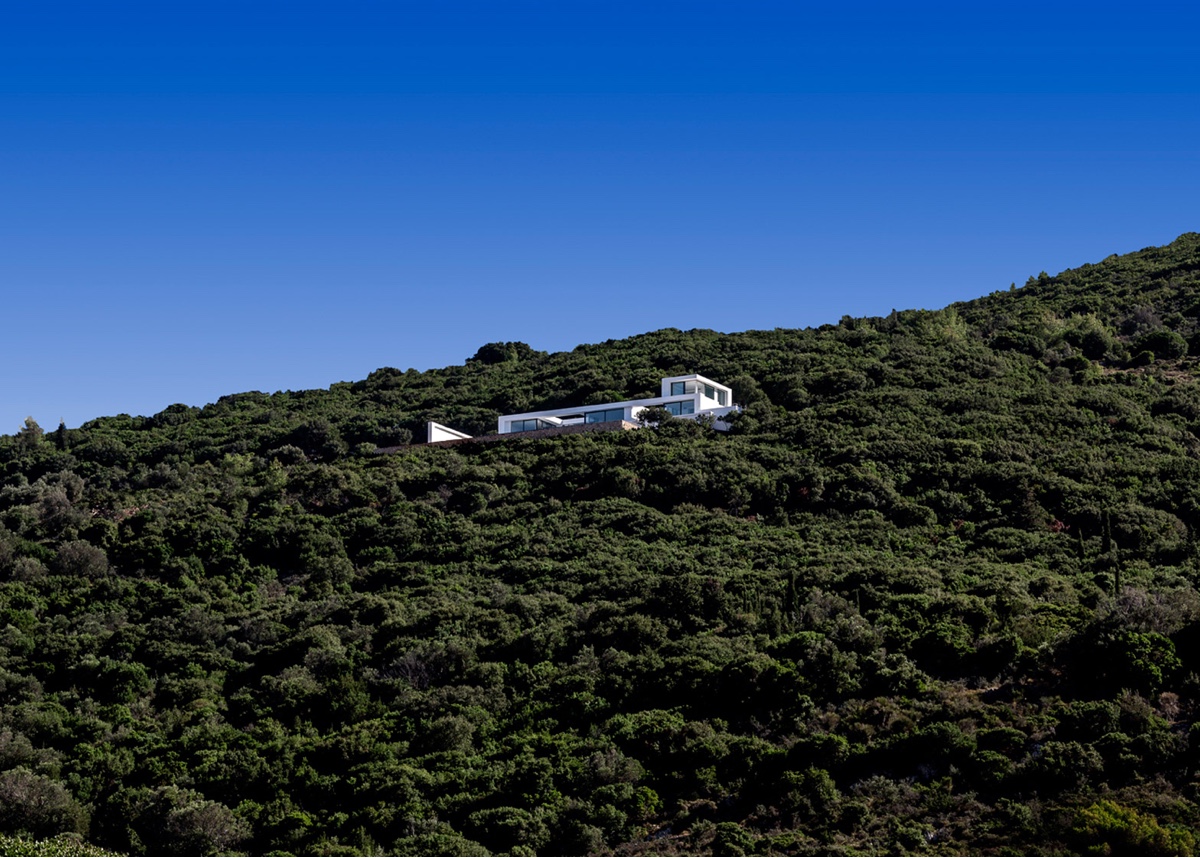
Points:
(202, 198)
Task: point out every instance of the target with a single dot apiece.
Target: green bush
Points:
(1108, 828)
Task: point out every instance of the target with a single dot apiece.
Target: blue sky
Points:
(204, 198)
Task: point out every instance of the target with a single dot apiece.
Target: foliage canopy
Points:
(935, 593)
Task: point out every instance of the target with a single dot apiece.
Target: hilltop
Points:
(934, 593)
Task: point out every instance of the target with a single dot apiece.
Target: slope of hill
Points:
(934, 594)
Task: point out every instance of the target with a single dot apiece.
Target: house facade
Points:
(685, 396)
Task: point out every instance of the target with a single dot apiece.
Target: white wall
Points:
(438, 432)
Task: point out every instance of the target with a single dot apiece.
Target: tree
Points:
(80, 558)
(497, 353)
(30, 435)
(34, 804)
(176, 821)
(654, 416)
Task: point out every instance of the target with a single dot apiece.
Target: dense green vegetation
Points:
(935, 594)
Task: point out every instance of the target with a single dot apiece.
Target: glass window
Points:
(678, 408)
(710, 391)
(525, 425)
(678, 388)
(606, 416)
(721, 398)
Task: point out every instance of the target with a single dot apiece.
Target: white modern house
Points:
(686, 396)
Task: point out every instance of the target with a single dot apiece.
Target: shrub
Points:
(1164, 344)
(1107, 828)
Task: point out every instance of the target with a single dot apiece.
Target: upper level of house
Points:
(686, 396)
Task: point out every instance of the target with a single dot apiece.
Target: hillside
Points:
(934, 594)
